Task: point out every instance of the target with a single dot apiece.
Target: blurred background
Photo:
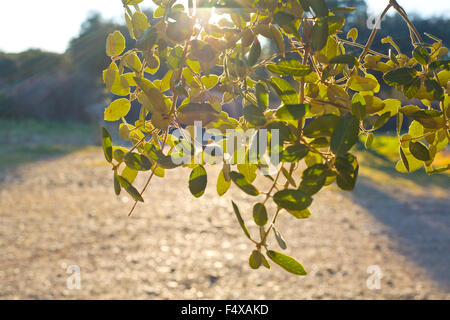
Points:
(58, 209)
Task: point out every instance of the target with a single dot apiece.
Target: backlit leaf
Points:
(292, 111)
(107, 145)
(240, 220)
(291, 199)
(197, 181)
(260, 214)
(345, 135)
(419, 151)
(288, 263)
(243, 184)
(117, 109)
(115, 44)
(290, 68)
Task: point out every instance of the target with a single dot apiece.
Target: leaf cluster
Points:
(328, 98)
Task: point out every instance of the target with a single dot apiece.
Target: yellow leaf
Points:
(353, 34)
(115, 44)
(140, 23)
(117, 109)
(358, 83)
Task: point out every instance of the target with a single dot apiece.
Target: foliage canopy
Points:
(327, 98)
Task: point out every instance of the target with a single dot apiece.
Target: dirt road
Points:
(62, 212)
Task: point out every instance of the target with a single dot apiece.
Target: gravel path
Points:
(62, 212)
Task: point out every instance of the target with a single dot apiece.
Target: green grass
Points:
(30, 140)
(378, 163)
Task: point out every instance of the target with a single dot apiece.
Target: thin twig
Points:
(374, 32)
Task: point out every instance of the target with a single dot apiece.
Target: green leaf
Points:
(345, 135)
(404, 159)
(260, 214)
(148, 40)
(412, 88)
(264, 262)
(254, 115)
(294, 153)
(335, 24)
(282, 18)
(137, 161)
(342, 10)
(415, 129)
(197, 181)
(140, 23)
(192, 112)
(347, 167)
(118, 154)
(430, 119)
(369, 140)
(164, 161)
(413, 163)
(117, 109)
(175, 58)
(359, 106)
(322, 126)
(115, 44)
(129, 174)
(288, 263)
(154, 96)
(132, 62)
(288, 177)
(255, 259)
(178, 33)
(290, 68)
(117, 187)
(306, 6)
(113, 81)
(248, 170)
(381, 121)
(400, 76)
(291, 199)
(292, 111)
(287, 132)
(107, 145)
(130, 189)
(210, 81)
(240, 220)
(255, 52)
(435, 89)
(353, 34)
(419, 151)
(358, 83)
(284, 90)
(159, 172)
(279, 238)
(300, 214)
(277, 36)
(313, 178)
(243, 184)
(222, 184)
(320, 34)
(262, 95)
(344, 59)
(319, 7)
(421, 55)
(442, 64)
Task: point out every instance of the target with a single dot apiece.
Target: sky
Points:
(50, 24)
